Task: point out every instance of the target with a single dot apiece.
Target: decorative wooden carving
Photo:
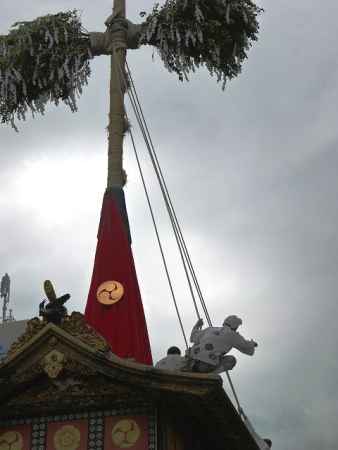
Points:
(74, 324)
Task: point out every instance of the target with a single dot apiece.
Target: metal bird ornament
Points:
(54, 311)
(48, 59)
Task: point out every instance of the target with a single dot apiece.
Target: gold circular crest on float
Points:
(67, 438)
(125, 433)
(11, 440)
(109, 292)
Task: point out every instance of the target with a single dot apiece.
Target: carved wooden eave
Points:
(55, 371)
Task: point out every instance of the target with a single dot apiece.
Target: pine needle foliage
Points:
(45, 60)
(212, 33)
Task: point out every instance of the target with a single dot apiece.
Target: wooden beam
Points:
(116, 127)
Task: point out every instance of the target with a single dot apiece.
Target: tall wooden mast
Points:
(116, 127)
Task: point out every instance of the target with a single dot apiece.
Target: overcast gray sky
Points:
(252, 172)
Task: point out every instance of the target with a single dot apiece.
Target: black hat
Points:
(173, 351)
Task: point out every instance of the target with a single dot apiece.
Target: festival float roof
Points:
(86, 377)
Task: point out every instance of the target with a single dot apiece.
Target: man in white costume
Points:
(173, 360)
(211, 345)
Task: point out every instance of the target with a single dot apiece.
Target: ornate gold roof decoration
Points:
(53, 363)
(74, 324)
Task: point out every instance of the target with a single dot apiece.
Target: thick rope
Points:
(155, 225)
(170, 207)
(139, 119)
(178, 244)
(158, 239)
(133, 97)
(178, 235)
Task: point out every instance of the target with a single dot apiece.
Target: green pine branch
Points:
(212, 33)
(47, 59)
(41, 61)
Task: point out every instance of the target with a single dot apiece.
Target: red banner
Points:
(16, 437)
(126, 432)
(114, 306)
(72, 435)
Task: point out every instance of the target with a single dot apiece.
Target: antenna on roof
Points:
(5, 289)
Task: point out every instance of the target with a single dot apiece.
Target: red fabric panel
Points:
(72, 434)
(18, 436)
(126, 432)
(122, 324)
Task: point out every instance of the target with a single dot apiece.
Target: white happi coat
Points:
(171, 362)
(212, 343)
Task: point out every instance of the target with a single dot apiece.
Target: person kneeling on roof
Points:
(211, 345)
(173, 360)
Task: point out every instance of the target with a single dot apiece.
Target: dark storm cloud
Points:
(252, 172)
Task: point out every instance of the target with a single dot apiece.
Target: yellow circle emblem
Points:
(125, 433)
(67, 438)
(11, 440)
(109, 292)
